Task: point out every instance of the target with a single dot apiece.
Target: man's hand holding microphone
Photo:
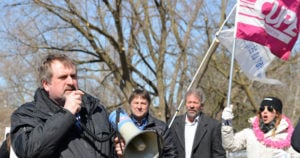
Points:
(73, 100)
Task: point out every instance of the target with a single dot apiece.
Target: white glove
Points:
(227, 113)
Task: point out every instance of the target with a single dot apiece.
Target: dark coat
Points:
(4, 151)
(169, 147)
(296, 137)
(207, 142)
(42, 129)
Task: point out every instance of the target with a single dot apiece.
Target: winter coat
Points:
(259, 144)
(4, 150)
(207, 141)
(42, 129)
(296, 137)
(169, 149)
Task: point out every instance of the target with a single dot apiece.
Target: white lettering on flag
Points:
(252, 58)
(272, 23)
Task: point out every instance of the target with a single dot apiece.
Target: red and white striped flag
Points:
(271, 23)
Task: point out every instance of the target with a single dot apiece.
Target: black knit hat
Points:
(272, 101)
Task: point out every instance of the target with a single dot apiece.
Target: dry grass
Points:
(5, 114)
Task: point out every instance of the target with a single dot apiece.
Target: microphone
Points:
(77, 122)
(77, 115)
(82, 128)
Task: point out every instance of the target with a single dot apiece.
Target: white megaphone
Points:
(139, 143)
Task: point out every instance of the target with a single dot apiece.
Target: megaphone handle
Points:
(159, 145)
(117, 130)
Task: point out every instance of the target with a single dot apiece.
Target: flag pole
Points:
(208, 54)
(231, 65)
(231, 73)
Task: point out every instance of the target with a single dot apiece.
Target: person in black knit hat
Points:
(269, 134)
(272, 102)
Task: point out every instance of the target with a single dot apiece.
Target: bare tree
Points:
(122, 45)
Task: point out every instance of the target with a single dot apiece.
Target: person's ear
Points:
(45, 85)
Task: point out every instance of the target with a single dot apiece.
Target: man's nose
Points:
(69, 80)
(139, 105)
(193, 106)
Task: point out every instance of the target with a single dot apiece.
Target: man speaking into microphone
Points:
(62, 121)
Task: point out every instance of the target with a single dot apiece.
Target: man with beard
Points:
(196, 134)
(62, 121)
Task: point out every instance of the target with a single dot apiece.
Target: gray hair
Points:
(198, 93)
(45, 71)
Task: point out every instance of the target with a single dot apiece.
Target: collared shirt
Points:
(189, 135)
(141, 125)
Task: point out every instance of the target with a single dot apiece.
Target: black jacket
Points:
(169, 148)
(4, 151)
(207, 140)
(296, 137)
(42, 129)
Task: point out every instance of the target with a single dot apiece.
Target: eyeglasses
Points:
(270, 108)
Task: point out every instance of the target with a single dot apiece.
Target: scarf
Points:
(266, 127)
